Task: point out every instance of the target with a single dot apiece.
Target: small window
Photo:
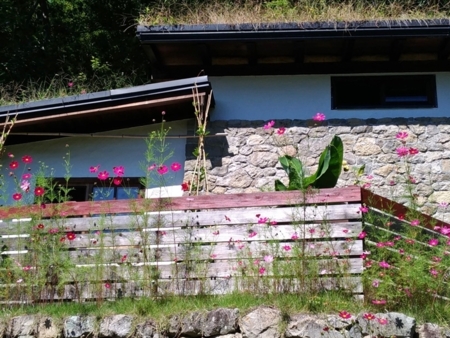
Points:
(87, 189)
(379, 92)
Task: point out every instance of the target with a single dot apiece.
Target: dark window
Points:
(87, 189)
(378, 92)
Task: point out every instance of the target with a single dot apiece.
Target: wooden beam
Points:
(118, 108)
(393, 208)
(252, 54)
(347, 50)
(444, 50)
(279, 198)
(299, 51)
(205, 54)
(176, 72)
(396, 50)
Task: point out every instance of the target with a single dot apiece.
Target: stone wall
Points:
(262, 322)
(246, 159)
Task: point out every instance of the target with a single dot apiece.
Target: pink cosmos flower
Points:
(14, 165)
(401, 251)
(263, 220)
(107, 285)
(413, 151)
(17, 196)
(103, 175)
(39, 191)
(162, 169)
(345, 315)
(94, 169)
(401, 135)
(402, 151)
(443, 205)
(175, 166)
(445, 230)
(268, 259)
(380, 245)
(415, 222)
(25, 185)
(119, 171)
(10, 155)
(294, 236)
(391, 244)
(384, 265)
(262, 270)
(319, 117)
(369, 316)
(117, 180)
(363, 209)
(379, 301)
(362, 235)
(375, 283)
(269, 125)
(27, 159)
(70, 84)
(286, 247)
(281, 131)
(26, 176)
(382, 321)
(433, 242)
(252, 234)
(153, 166)
(434, 272)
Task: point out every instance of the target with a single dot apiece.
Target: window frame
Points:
(89, 183)
(380, 83)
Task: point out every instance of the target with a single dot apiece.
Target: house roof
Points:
(103, 111)
(298, 48)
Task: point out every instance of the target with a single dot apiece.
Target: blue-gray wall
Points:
(90, 151)
(300, 97)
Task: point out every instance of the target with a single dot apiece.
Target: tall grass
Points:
(256, 12)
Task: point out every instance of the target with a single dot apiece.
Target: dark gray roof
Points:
(222, 32)
(106, 98)
(103, 111)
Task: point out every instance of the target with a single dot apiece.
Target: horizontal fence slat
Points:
(263, 199)
(204, 218)
(148, 288)
(216, 234)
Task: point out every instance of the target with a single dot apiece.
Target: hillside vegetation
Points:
(53, 48)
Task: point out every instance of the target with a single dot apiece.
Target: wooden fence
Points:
(216, 244)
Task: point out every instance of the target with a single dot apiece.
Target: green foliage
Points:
(326, 176)
(94, 38)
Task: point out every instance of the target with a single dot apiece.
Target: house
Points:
(101, 130)
(370, 79)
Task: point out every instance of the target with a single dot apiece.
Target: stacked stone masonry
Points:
(262, 322)
(246, 159)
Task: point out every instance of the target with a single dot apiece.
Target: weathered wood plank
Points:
(196, 235)
(373, 200)
(218, 251)
(217, 268)
(329, 213)
(266, 199)
(148, 288)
